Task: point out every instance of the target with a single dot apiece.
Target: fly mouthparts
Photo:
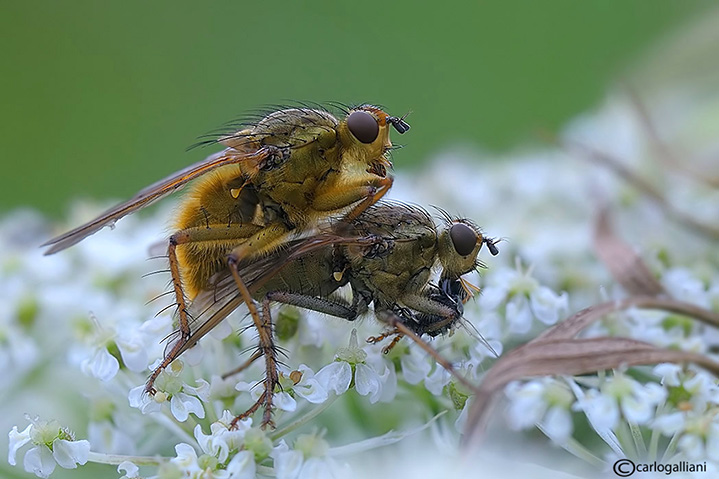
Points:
(399, 124)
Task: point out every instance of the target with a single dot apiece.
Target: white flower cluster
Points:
(52, 445)
(77, 339)
(83, 320)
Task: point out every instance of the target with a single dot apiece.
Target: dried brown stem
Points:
(566, 357)
(558, 352)
(626, 266)
(616, 166)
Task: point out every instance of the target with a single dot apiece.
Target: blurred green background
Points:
(102, 98)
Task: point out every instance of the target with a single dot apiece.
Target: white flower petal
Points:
(414, 367)
(16, 440)
(712, 443)
(527, 405)
(279, 449)
(316, 468)
(368, 382)
(636, 410)
(670, 424)
(194, 355)
(204, 441)
(69, 454)
(491, 297)
(700, 385)
(39, 461)
(685, 286)
(288, 464)
(602, 411)
(253, 388)
(202, 390)
(221, 331)
(461, 421)
(311, 390)
(221, 447)
(130, 470)
(557, 424)
(548, 306)
(186, 458)
(651, 393)
(519, 315)
(389, 383)
(285, 402)
(102, 365)
(693, 446)
(436, 381)
(135, 396)
(669, 373)
(183, 404)
(336, 377)
(242, 466)
(480, 350)
(141, 400)
(133, 351)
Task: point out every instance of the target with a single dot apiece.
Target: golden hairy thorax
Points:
(320, 170)
(324, 159)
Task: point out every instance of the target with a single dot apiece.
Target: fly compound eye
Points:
(464, 238)
(363, 126)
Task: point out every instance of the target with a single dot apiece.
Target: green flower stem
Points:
(671, 448)
(656, 435)
(626, 440)
(304, 419)
(169, 422)
(573, 447)
(116, 459)
(639, 445)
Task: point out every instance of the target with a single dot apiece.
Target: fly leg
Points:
(334, 307)
(426, 315)
(267, 349)
(391, 317)
(381, 189)
(255, 356)
(436, 309)
(186, 338)
(394, 321)
(265, 241)
(432, 313)
(366, 191)
(184, 329)
(392, 332)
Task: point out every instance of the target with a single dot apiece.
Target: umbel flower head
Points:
(51, 445)
(81, 317)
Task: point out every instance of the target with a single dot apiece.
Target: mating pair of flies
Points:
(289, 212)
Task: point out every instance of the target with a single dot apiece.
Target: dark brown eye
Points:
(363, 126)
(463, 238)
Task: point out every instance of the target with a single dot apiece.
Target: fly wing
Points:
(212, 306)
(153, 193)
